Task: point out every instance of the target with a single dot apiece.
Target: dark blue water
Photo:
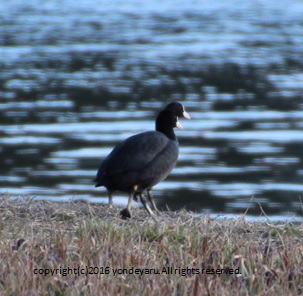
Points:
(77, 77)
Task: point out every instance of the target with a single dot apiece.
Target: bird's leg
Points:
(148, 209)
(151, 199)
(126, 212)
(135, 196)
(110, 199)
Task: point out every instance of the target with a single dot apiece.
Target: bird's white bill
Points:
(178, 125)
(186, 115)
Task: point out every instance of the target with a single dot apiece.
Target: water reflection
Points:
(73, 84)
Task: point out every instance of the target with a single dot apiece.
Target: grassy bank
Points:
(78, 248)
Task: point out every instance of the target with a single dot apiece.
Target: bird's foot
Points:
(125, 214)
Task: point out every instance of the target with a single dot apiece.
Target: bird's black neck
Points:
(165, 124)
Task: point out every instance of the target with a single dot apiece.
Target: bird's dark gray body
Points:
(143, 160)
(154, 157)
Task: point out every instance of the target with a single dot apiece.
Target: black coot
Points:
(143, 160)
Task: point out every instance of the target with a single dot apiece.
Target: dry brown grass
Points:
(42, 236)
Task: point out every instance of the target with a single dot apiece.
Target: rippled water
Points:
(77, 78)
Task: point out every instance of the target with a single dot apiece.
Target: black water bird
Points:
(143, 160)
